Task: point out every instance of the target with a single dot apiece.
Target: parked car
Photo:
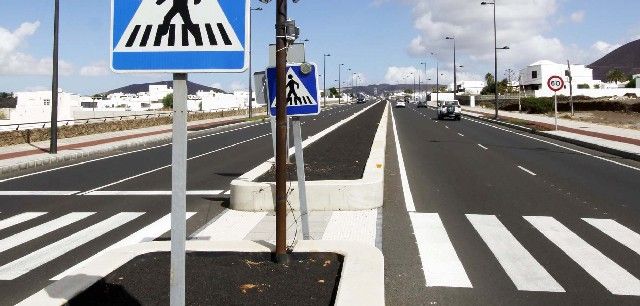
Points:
(401, 104)
(449, 109)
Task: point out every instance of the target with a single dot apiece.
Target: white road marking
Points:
(352, 226)
(41, 230)
(557, 145)
(17, 219)
(152, 193)
(440, 263)
(527, 170)
(167, 166)
(125, 153)
(613, 277)
(52, 251)
(408, 197)
(618, 232)
(524, 270)
(446, 126)
(228, 192)
(461, 134)
(37, 193)
(483, 147)
(231, 225)
(146, 234)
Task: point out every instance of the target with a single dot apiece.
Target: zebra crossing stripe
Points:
(352, 226)
(41, 230)
(525, 272)
(613, 277)
(231, 225)
(146, 234)
(17, 219)
(618, 232)
(440, 263)
(24, 265)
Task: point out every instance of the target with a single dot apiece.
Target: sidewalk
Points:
(28, 156)
(618, 141)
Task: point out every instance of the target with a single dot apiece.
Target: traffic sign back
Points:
(179, 35)
(302, 90)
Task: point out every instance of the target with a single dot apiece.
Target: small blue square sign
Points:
(179, 36)
(302, 90)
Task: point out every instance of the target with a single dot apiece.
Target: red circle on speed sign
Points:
(555, 83)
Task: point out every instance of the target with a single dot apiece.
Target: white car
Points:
(449, 109)
(401, 104)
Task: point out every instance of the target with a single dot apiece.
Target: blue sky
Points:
(382, 40)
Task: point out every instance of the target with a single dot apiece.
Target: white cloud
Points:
(577, 17)
(237, 85)
(605, 47)
(14, 62)
(216, 85)
(402, 75)
(95, 69)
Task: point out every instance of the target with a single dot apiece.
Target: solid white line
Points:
(618, 232)
(408, 197)
(446, 126)
(152, 193)
(526, 170)
(37, 193)
(167, 166)
(352, 226)
(41, 230)
(440, 263)
(17, 219)
(146, 234)
(461, 134)
(483, 147)
(232, 225)
(52, 251)
(613, 277)
(557, 145)
(123, 154)
(524, 270)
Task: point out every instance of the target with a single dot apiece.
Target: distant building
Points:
(468, 87)
(35, 106)
(535, 76)
(637, 78)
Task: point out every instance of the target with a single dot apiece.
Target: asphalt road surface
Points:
(54, 219)
(476, 214)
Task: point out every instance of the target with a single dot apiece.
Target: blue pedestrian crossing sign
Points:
(302, 90)
(179, 36)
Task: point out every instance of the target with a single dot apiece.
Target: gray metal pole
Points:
(324, 78)
(570, 88)
(302, 189)
(340, 84)
(455, 71)
(250, 56)
(437, 82)
(53, 145)
(495, 36)
(178, 190)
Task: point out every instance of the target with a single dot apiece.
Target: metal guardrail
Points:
(44, 124)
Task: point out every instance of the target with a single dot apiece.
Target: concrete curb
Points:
(361, 280)
(69, 156)
(329, 195)
(585, 144)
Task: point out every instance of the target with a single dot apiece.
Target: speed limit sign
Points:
(555, 83)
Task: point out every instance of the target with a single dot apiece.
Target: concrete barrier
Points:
(330, 195)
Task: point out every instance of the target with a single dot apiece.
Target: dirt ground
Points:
(630, 120)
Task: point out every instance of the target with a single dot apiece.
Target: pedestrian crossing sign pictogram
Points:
(179, 36)
(302, 90)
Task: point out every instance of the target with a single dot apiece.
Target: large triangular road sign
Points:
(302, 90)
(179, 35)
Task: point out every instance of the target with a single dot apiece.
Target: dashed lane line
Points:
(527, 170)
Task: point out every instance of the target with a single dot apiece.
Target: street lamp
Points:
(250, 76)
(495, 37)
(455, 75)
(340, 83)
(53, 144)
(437, 78)
(425, 81)
(324, 77)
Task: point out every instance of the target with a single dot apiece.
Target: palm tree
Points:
(489, 79)
(616, 75)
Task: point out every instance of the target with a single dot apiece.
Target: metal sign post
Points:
(302, 189)
(178, 189)
(555, 83)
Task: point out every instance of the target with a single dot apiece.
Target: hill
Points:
(192, 88)
(625, 58)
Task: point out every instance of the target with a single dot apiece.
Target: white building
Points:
(535, 77)
(637, 78)
(35, 106)
(468, 87)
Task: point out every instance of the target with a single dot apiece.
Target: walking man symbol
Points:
(291, 91)
(180, 7)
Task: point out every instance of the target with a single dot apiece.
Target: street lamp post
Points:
(53, 145)
(426, 88)
(340, 83)
(324, 77)
(455, 74)
(495, 39)
(250, 51)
